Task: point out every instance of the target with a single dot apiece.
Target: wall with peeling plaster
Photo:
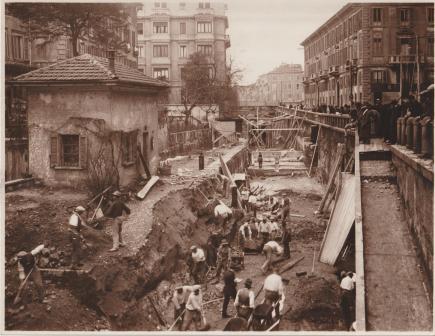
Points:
(50, 110)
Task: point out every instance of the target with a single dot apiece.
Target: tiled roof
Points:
(88, 68)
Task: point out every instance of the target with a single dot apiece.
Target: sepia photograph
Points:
(212, 167)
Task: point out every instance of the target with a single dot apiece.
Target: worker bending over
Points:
(269, 249)
(245, 233)
(222, 213)
(274, 292)
(27, 268)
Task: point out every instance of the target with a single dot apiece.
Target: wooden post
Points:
(315, 149)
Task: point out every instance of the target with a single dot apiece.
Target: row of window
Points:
(404, 15)
(70, 150)
(182, 5)
(162, 73)
(354, 24)
(162, 50)
(162, 27)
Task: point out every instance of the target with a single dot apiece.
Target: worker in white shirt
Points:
(274, 228)
(75, 225)
(199, 266)
(222, 213)
(193, 309)
(347, 286)
(27, 268)
(244, 301)
(270, 248)
(179, 299)
(264, 230)
(252, 203)
(245, 234)
(274, 292)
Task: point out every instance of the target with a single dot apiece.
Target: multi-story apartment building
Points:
(282, 85)
(45, 50)
(169, 32)
(368, 51)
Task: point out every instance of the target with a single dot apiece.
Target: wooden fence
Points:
(187, 141)
(16, 159)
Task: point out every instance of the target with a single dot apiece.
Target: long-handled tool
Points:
(206, 325)
(21, 288)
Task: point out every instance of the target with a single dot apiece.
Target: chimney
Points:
(111, 57)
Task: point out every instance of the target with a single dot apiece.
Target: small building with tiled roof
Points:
(87, 119)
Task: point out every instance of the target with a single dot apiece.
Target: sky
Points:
(266, 33)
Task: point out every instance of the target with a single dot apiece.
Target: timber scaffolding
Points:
(287, 124)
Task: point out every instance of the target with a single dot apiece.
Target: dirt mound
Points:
(60, 305)
(316, 303)
(306, 230)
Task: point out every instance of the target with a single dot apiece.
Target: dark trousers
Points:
(229, 292)
(76, 248)
(346, 304)
(177, 313)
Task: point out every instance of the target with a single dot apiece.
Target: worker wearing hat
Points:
(76, 238)
(223, 258)
(27, 268)
(115, 213)
(198, 264)
(245, 300)
(179, 299)
(193, 309)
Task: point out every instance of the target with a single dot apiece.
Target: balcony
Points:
(324, 74)
(333, 70)
(404, 59)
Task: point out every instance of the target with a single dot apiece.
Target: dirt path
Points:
(395, 290)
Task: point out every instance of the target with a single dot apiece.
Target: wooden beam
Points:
(144, 164)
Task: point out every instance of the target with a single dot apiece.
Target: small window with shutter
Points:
(68, 151)
(129, 147)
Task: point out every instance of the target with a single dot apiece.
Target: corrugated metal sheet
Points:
(340, 222)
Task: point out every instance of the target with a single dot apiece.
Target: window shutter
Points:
(134, 145)
(54, 150)
(83, 154)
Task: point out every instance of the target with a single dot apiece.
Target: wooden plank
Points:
(144, 191)
(144, 163)
(340, 222)
(315, 150)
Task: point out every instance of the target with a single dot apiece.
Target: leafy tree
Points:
(201, 86)
(97, 22)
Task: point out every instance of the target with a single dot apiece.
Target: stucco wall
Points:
(416, 188)
(50, 109)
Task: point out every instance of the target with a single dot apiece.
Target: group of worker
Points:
(189, 306)
(28, 261)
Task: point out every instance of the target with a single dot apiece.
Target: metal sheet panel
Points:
(340, 222)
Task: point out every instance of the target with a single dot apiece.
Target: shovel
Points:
(206, 325)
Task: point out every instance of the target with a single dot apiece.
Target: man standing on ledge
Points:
(115, 212)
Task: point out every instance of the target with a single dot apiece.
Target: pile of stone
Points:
(52, 258)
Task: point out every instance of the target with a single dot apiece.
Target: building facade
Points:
(368, 51)
(108, 110)
(282, 85)
(169, 32)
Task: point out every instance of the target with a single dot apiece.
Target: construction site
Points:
(333, 185)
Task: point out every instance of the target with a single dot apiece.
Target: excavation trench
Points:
(124, 289)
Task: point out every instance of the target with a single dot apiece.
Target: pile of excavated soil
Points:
(316, 304)
(62, 311)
